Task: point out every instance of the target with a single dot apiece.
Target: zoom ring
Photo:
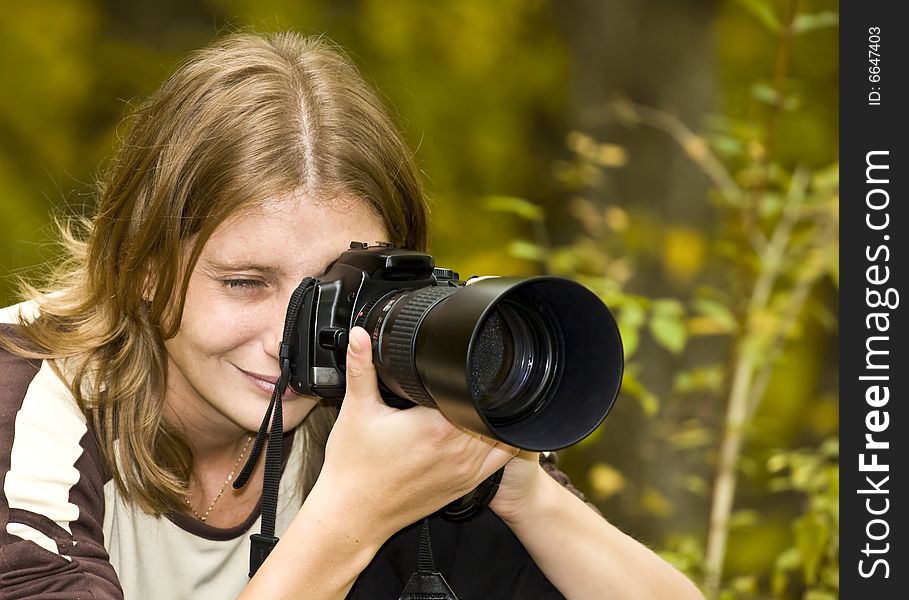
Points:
(397, 356)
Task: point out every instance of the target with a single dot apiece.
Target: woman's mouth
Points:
(265, 383)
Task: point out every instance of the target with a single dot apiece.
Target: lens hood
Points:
(561, 363)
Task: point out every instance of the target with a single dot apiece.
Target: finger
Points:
(512, 449)
(361, 373)
(498, 457)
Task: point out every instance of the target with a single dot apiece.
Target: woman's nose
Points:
(274, 329)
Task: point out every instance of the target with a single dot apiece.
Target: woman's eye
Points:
(243, 283)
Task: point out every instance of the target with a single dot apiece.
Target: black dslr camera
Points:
(534, 362)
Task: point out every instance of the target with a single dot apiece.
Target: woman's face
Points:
(223, 362)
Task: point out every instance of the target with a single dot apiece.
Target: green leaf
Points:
(811, 535)
(770, 95)
(745, 584)
(630, 340)
(770, 204)
(809, 22)
(702, 379)
(668, 307)
(692, 438)
(716, 311)
(788, 561)
(669, 332)
(743, 518)
(696, 485)
(727, 145)
(525, 250)
(763, 12)
(630, 319)
(632, 386)
(777, 462)
(831, 447)
(516, 206)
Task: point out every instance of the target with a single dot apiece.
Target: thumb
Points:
(361, 373)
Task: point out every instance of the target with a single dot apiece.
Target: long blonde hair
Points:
(247, 118)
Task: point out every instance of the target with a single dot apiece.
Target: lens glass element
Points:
(512, 360)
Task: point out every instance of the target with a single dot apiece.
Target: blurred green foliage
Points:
(677, 157)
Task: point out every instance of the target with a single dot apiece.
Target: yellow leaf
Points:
(656, 503)
(684, 252)
(605, 481)
(616, 218)
(611, 155)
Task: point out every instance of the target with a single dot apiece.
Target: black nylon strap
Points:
(425, 562)
(264, 542)
(426, 583)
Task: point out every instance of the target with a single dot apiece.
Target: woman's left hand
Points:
(522, 478)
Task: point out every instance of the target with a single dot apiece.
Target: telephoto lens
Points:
(535, 362)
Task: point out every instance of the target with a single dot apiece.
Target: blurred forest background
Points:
(679, 157)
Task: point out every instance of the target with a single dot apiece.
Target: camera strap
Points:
(264, 541)
(426, 583)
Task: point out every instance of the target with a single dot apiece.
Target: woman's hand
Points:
(519, 486)
(387, 467)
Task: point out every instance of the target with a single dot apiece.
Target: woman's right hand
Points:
(386, 468)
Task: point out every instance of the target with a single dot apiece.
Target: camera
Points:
(534, 362)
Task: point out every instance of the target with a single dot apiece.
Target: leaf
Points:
(650, 404)
(692, 438)
(770, 205)
(525, 250)
(763, 12)
(703, 379)
(788, 561)
(684, 252)
(632, 386)
(831, 448)
(696, 485)
(606, 155)
(810, 22)
(743, 518)
(630, 340)
(811, 534)
(668, 307)
(655, 503)
(611, 155)
(745, 584)
(516, 206)
(616, 218)
(778, 462)
(630, 319)
(669, 332)
(605, 480)
(771, 96)
(726, 145)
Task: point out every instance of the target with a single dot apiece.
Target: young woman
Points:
(132, 385)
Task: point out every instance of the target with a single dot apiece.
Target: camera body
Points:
(357, 282)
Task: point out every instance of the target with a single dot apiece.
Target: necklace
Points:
(230, 477)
